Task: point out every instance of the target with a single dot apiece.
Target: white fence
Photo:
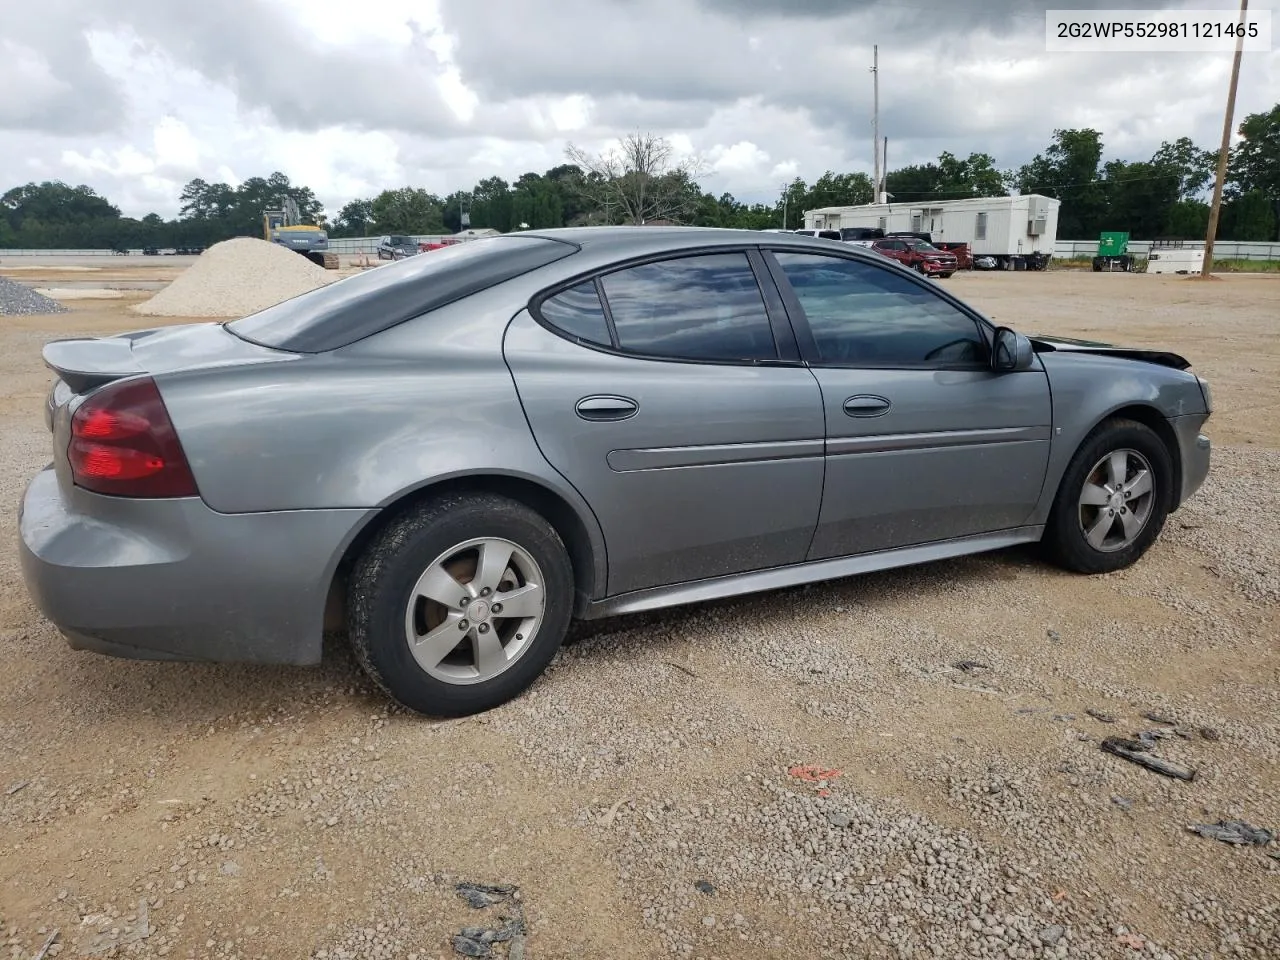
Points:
(1222, 249)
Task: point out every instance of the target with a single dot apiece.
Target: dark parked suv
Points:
(397, 247)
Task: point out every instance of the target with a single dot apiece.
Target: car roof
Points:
(626, 241)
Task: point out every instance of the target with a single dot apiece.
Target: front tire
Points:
(459, 605)
(1113, 499)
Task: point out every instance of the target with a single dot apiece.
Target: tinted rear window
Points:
(356, 307)
(579, 313)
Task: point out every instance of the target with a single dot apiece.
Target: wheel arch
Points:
(586, 552)
(1147, 415)
(1159, 424)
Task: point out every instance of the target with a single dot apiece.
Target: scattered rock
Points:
(1236, 832)
(1156, 717)
(1100, 716)
(19, 300)
(1124, 803)
(1050, 935)
(705, 887)
(838, 818)
(968, 666)
(1210, 733)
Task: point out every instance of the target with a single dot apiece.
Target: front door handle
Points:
(606, 408)
(866, 405)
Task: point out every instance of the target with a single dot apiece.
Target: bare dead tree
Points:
(640, 178)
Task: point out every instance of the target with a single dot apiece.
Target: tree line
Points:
(641, 181)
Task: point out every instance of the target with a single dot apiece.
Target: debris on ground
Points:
(1156, 716)
(818, 776)
(812, 774)
(968, 666)
(481, 895)
(1124, 803)
(1136, 751)
(478, 941)
(1100, 716)
(1210, 733)
(48, 945)
(705, 887)
(16, 787)
(120, 934)
(235, 278)
(1237, 832)
(19, 300)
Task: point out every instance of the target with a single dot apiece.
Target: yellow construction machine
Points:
(283, 224)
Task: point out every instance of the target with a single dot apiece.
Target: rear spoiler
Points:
(87, 363)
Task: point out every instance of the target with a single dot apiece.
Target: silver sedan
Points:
(453, 456)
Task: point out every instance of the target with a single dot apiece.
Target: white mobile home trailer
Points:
(1016, 232)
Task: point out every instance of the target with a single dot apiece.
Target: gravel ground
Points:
(903, 765)
(235, 278)
(20, 300)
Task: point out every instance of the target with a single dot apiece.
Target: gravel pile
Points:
(19, 300)
(235, 278)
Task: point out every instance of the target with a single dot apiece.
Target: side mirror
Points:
(1011, 351)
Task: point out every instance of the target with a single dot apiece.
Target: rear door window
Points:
(702, 307)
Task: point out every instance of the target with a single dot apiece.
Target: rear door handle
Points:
(866, 405)
(606, 408)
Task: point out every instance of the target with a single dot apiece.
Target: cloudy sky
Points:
(136, 97)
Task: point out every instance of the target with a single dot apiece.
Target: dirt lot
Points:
(639, 796)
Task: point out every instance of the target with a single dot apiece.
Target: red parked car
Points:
(964, 257)
(918, 255)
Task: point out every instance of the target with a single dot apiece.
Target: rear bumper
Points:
(1195, 450)
(174, 580)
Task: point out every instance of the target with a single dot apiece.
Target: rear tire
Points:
(1112, 501)
(459, 605)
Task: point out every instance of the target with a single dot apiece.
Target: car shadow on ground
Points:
(208, 693)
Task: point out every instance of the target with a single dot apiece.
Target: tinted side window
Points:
(705, 307)
(862, 315)
(577, 311)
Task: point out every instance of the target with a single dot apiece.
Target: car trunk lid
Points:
(81, 365)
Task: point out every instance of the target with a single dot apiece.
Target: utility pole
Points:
(875, 119)
(1206, 266)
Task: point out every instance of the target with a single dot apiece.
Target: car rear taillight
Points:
(123, 443)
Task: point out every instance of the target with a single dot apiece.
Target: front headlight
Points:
(1207, 393)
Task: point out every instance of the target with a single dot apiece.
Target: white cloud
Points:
(135, 97)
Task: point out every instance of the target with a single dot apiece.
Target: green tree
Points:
(1192, 167)
(1138, 198)
(355, 219)
(1255, 164)
(912, 183)
(1068, 170)
(409, 210)
(1249, 217)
